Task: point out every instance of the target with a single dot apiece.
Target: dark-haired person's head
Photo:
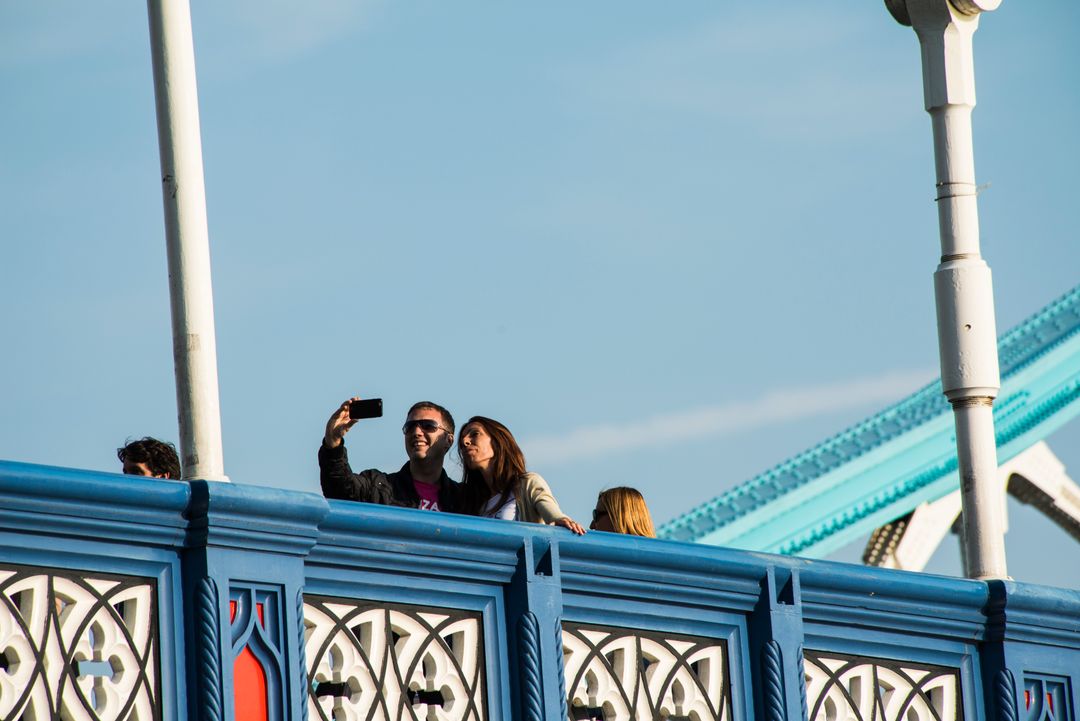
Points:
(447, 419)
(622, 510)
(150, 457)
(488, 450)
(429, 432)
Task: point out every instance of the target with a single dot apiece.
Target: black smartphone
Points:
(370, 408)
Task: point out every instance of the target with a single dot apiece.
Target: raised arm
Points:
(335, 474)
(338, 425)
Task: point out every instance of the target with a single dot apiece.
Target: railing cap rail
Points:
(91, 504)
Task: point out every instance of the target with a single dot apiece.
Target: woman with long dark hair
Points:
(496, 482)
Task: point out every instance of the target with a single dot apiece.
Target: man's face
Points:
(423, 443)
(140, 469)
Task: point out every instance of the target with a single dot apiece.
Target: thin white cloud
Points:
(276, 30)
(241, 34)
(37, 33)
(800, 73)
(775, 407)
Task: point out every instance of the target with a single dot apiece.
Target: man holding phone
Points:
(421, 483)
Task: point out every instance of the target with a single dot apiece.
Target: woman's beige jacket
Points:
(535, 503)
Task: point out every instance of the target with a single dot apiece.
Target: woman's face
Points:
(601, 521)
(476, 450)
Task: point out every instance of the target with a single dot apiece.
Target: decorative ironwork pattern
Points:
(77, 647)
(859, 688)
(622, 675)
(800, 659)
(1046, 698)
(301, 631)
(257, 640)
(773, 675)
(209, 650)
(1005, 695)
(532, 704)
(562, 671)
(383, 662)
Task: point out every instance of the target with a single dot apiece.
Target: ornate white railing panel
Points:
(375, 662)
(76, 647)
(853, 688)
(620, 675)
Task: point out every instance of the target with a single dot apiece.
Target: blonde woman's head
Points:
(622, 510)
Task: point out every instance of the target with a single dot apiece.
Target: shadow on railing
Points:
(132, 598)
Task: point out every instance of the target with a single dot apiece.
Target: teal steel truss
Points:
(885, 466)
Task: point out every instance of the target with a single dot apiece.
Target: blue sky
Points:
(569, 217)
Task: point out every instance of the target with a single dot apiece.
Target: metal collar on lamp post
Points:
(899, 8)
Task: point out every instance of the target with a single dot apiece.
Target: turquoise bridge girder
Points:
(887, 465)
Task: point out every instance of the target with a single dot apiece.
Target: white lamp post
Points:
(967, 336)
(192, 301)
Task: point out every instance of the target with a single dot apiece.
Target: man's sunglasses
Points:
(426, 425)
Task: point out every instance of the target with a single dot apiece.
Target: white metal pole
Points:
(967, 335)
(194, 344)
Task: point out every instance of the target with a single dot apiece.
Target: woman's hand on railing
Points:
(568, 522)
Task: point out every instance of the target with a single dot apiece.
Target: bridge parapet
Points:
(130, 598)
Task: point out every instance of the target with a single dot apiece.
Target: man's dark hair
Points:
(159, 456)
(448, 420)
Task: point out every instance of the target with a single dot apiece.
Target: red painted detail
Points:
(1050, 701)
(1027, 700)
(232, 611)
(259, 610)
(249, 687)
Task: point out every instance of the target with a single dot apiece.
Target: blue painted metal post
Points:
(243, 575)
(1000, 692)
(534, 625)
(1029, 653)
(776, 647)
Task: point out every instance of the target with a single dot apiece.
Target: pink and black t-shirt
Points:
(429, 495)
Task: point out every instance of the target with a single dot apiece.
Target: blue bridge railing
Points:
(131, 598)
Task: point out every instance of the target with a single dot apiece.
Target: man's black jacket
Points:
(373, 486)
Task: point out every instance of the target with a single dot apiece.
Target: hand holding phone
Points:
(369, 408)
